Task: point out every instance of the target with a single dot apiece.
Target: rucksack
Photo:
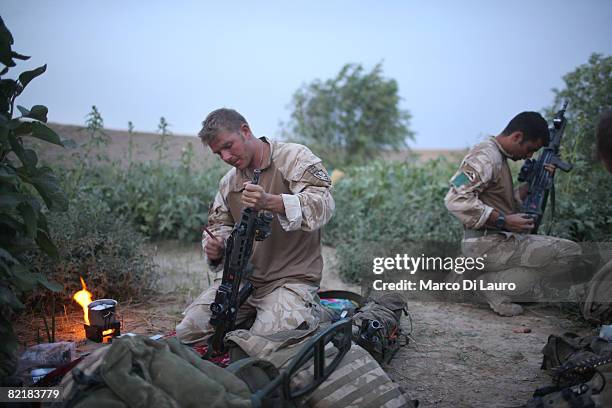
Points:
(135, 371)
(344, 386)
(597, 306)
(581, 368)
(377, 326)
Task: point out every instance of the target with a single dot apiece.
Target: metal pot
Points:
(102, 312)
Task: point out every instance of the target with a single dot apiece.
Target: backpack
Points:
(597, 306)
(580, 368)
(135, 371)
(345, 385)
(377, 328)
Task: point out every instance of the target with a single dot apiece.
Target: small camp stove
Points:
(103, 323)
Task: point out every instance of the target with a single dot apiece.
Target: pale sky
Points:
(464, 68)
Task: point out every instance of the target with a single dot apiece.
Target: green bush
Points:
(583, 195)
(27, 192)
(102, 247)
(387, 208)
(162, 200)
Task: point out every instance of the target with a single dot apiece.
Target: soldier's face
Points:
(522, 150)
(232, 148)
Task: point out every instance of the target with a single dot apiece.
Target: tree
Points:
(24, 187)
(584, 211)
(588, 89)
(349, 118)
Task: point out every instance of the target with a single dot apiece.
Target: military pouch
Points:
(377, 326)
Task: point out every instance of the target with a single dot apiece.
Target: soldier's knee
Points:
(569, 248)
(193, 329)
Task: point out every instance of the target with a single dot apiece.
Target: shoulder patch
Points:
(319, 173)
(462, 179)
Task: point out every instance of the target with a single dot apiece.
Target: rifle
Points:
(238, 249)
(541, 182)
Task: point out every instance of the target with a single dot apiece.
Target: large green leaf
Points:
(44, 242)
(27, 76)
(10, 201)
(12, 223)
(19, 56)
(7, 297)
(39, 112)
(28, 213)
(43, 132)
(8, 87)
(52, 286)
(20, 127)
(6, 40)
(27, 156)
(48, 186)
(6, 256)
(7, 174)
(23, 280)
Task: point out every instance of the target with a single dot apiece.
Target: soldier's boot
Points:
(501, 304)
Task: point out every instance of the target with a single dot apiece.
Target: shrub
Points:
(386, 208)
(161, 200)
(102, 247)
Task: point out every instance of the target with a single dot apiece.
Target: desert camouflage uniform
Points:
(482, 183)
(287, 265)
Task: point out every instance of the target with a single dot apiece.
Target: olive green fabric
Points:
(138, 372)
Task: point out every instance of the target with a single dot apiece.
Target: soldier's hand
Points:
(549, 167)
(254, 196)
(519, 223)
(214, 248)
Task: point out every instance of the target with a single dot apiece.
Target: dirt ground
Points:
(459, 355)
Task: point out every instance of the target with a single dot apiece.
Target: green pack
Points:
(136, 371)
(377, 326)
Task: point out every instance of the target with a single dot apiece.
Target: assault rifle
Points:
(541, 182)
(238, 249)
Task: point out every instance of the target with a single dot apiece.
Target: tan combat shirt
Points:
(292, 253)
(482, 183)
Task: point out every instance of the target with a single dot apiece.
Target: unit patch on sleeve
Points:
(319, 173)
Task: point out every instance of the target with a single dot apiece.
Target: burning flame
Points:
(83, 298)
(107, 332)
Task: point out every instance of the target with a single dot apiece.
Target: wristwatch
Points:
(500, 221)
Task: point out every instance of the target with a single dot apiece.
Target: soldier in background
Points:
(597, 303)
(483, 198)
(295, 187)
(604, 139)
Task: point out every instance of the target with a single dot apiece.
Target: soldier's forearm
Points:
(274, 203)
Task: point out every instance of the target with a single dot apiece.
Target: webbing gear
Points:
(377, 328)
(339, 334)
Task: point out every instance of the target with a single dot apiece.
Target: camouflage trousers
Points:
(285, 308)
(531, 262)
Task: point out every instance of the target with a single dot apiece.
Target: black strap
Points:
(552, 210)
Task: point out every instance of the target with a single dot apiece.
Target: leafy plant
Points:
(160, 199)
(386, 208)
(25, 190)
(101, 246)
(161, 145)
(351, 117)
(583, 195)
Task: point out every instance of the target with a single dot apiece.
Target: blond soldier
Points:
(295, 187)
(483, 198)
